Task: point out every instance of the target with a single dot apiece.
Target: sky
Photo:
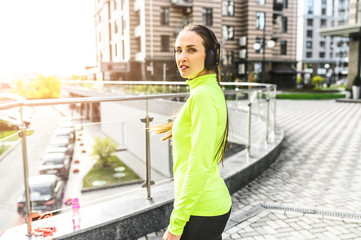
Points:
(51, 37)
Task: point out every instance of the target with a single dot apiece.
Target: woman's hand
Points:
(168, 236)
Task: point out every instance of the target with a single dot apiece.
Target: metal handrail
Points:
(43, 102)
(244, 84)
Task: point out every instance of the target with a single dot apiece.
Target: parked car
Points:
(55, 163)
(68, 133)
(46, 193)
(66, 124)
(60, 143)
(65, 150)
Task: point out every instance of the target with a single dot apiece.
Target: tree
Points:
(317, 80)
(41, 87)
(104, 149)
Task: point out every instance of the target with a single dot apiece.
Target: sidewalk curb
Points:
(85, 190)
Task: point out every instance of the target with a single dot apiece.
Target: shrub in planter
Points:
(356, 87)
(356, 81)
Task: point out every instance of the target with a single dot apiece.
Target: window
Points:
(228, 32)
(310, 7)
(241, 68)
(324, 2)
(116, 49)
(230, 57)
(309, 44)
(260, 21)
(308, 54)
(309, 33)
(285, 3)
(323, 23)
(261, 2)
(257, 67)
(310, 22)
(164, 47)
(283, 45)
(164, 16)
(228, 8)
(284, 24)
(322, 54)
(207, 16)
(322, 44)
(116, 27)
(323, 11)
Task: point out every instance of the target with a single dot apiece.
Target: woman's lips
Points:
(183, 68)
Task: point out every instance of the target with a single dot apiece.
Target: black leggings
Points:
(205, 228)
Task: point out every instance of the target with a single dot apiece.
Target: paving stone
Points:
(318, 168)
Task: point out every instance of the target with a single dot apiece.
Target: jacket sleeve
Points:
(203, 114)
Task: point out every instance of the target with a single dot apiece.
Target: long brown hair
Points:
(208, 43)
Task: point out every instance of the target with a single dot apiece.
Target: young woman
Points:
(199, 133)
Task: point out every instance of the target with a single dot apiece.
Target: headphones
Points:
(213, 54)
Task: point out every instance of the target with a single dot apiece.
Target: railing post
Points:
(274, 110)
(148, 181)
(267, 124)
(22, 134)
(249, 123)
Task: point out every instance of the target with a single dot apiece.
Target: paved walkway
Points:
(313, 189)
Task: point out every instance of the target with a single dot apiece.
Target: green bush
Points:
(310, 96)
(317, 80)
(356, 81)
(104, 148)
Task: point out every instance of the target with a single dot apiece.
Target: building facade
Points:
(134, 38)
(317, 54)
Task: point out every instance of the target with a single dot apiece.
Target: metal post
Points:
(22, 134)
(249, 123)
(267, 126)
(264, 50)
(148, 181)
(274, 110)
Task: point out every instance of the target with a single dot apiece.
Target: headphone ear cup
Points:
(210, 61)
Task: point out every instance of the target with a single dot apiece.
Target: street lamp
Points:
(327, 66)
(257, 46)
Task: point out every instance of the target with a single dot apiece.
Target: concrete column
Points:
(353, 61)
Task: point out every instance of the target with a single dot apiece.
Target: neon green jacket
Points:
(197, 134)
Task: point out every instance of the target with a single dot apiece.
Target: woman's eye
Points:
(178, 51)
(192, 50)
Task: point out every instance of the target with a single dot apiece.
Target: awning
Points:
(342, 31)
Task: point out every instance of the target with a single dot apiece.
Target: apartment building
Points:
(326, 56)
(351, 30)
(134, 38)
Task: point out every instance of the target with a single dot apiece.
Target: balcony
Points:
(115, 213)
(182, 3)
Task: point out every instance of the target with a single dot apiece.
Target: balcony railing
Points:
(252, 114)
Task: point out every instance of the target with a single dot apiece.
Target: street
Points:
(44, 122)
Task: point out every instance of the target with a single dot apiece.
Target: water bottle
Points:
(76, 214)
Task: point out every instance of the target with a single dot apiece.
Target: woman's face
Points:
(190, 54)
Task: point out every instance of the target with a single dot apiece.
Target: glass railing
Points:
(62, 154)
